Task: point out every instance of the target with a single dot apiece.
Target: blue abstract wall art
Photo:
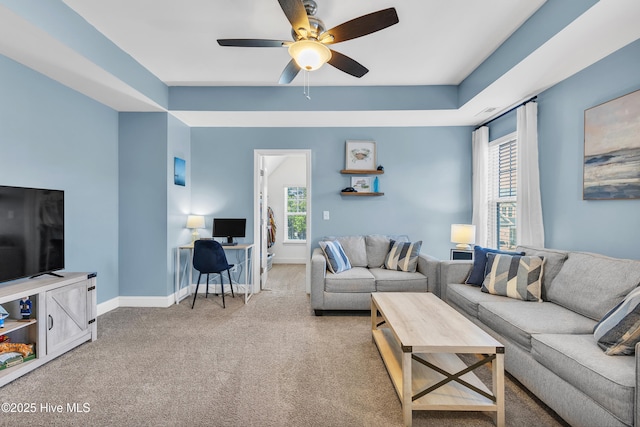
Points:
(612, 149)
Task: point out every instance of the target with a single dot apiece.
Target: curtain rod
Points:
(507, 112)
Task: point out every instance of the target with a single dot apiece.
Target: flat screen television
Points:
(229, 228)
(31, 232)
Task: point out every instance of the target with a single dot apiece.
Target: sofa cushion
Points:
(358, 279)
(619, 330)
(377, 249)
(337, 261)
(476, 276)
(553, 261)
(399, 281)
(403, 256)
(514, 276)
(354, 247)
(521, 319)
(610, 381)
(592, 284)
(467, 297)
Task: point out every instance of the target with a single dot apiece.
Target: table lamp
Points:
(464, 235)
(194, 222)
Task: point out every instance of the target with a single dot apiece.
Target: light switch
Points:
(325, 215)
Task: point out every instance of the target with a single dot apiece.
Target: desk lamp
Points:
(194, 222)
(464, 235)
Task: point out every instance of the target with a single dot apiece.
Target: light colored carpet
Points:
(268, 363)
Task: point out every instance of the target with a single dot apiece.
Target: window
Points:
(295, 208)
(502, 192)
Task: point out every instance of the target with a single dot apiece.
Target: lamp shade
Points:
(195, 221)
(309, 55)
(464, 235)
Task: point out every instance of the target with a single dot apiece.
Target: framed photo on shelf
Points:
(360, 155)
(362, 184)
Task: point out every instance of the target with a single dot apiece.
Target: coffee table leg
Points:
(374, 316)
(407, 413)
(498, 387)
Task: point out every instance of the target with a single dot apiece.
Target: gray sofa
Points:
(550, 346)
(351, 289)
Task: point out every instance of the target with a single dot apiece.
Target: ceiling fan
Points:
(309, 49)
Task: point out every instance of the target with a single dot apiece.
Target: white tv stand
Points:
(63, 316)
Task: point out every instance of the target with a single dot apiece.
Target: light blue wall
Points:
(608, 227)
(427, 180)
(143, 204)
(178, 197)
(551, 18)
(53, 137)
(66, 26)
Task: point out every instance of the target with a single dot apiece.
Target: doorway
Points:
(282, 166)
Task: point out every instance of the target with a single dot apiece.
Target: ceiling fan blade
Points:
(346, 64)
(358, 27)
(290, 72)
(251, 42)
(297, 15)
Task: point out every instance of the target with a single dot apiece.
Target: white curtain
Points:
(529, 226)
(480, 184)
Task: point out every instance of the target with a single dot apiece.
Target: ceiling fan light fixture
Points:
(309, 54)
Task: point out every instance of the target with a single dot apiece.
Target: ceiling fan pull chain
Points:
(307, 86)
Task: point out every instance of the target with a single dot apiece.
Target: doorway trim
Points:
(257, 155)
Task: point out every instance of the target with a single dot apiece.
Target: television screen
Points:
(229, 228)
(31, 232)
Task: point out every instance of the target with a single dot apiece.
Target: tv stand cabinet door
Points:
(67, 317)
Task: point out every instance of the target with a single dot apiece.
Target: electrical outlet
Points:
(325, 215)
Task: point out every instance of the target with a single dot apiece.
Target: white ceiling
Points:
(435, 43)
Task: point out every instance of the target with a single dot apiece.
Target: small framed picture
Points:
(362, 184)
(360, 155)
(179, 171)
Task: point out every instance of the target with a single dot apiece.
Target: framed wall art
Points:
(611, 167)
(362, 184)
(179, 171)
(360, 155)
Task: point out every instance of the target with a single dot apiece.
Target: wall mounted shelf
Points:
(361, 172)
(350, 193)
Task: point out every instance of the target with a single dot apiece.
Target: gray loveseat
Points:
(351, 289)
(550, 347)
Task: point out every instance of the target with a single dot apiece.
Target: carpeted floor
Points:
(268, 363)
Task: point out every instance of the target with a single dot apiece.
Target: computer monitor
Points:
(229, 228)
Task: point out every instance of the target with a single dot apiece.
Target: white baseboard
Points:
(164, 302)
(107, 306)
(289, 261)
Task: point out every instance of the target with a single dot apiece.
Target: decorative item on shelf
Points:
(360, 155)
(380, 168)
(376, 185)
(194, 222)
(25, 308)
(349, 190)
(3, 315)
(464, 235)
(361, 184)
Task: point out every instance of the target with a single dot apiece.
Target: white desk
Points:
(248, 271)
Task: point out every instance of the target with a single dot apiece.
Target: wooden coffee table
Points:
(419, 336)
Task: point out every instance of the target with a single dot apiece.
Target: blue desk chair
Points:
(209, 257)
